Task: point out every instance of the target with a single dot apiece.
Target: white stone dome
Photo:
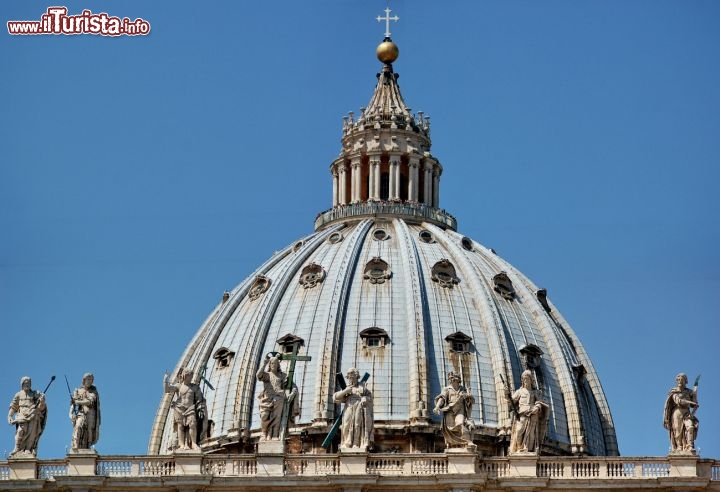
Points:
(386, 284)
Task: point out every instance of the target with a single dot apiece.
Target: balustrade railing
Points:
(230, 466)
(385, 465)
(312, 465)
(134, 466)
(428, 464)
(559, 468)
(494, 467)
(603, 468)
(50, 469)
(116, 468)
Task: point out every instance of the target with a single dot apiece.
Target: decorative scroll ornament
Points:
(259, 287)
(311, 275)
(443, 272)
(377, 271)
(503, 286)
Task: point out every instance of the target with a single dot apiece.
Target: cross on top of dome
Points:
(387, 20)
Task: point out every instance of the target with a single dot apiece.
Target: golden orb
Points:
(387, 52)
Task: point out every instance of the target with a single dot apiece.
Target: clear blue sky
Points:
(141, 177)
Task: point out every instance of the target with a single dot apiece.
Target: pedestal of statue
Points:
(81, 462)
(683, 464)
(353, 461)
(23, 466)
(461, 460)
(188, 461)
(523, 464)
(271, 458)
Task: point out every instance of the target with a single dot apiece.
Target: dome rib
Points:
(417, 368)
(495, 341)
(267, 308)
(207, 334)
(611, 445)
(328, 362)
(515, 335)
(562, 371)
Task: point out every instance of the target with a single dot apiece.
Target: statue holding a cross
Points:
(278, 399)
(357, 416)
(274, 397)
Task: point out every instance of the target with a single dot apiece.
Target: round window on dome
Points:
(335, 238)
(426, 236)
(380, 235)
(466, 243)
(297, 246)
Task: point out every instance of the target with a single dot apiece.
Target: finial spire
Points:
(387, 20)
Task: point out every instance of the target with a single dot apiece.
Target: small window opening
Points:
(504, 286)
(443, 272)
(531, 356)
(458, 342)
(426, 236)
(374, 337)
(222, 357)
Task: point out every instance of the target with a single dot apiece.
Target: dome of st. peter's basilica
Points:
(387, 284)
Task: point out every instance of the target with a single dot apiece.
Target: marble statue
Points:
(679, 416)
(85, 414)
(530, 417)
(28, 413)
(455, 403)
(274, 397)
(357, 419)
(189, 410)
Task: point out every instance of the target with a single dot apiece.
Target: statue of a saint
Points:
(274, 397)
(455, 403)
(28, 413)
(85, 414)
(357, 419)
(530, 417)
(679, 416)
(190, 411)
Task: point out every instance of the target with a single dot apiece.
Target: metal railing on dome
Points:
(407, 210)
